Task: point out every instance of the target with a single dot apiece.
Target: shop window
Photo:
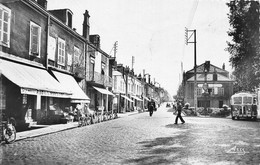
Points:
(35, 39)
(2, 95)
(24, 99)
(5, 15)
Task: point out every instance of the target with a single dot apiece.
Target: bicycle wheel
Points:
(9, 134)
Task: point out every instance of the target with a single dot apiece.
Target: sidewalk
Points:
(48, 129)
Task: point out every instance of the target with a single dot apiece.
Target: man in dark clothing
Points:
(254, 108)
(151, 106)
(179, 109)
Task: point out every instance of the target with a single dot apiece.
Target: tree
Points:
(244, 47)
(180, 94)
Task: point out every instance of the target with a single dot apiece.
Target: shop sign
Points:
(42, 93)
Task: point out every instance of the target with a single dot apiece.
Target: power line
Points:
(189, 23)
(192, 12)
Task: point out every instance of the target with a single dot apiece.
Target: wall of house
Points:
(71, 40)
(214, 100)
(98, 62)
(21, 15)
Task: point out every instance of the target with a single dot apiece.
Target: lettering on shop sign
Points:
(42, 93)
(236, 150)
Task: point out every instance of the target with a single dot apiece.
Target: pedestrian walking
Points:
(254, 107)
(151, 107)
(179, 109)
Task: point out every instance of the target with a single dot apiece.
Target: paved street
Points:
(140, 139)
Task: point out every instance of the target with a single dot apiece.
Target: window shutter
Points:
(215, 77)
(61, 51)
(5, 16)
(34, 40)
(1, 22)
(5, 26)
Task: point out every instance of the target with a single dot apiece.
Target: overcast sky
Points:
(153, 32)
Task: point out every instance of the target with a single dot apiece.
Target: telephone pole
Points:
(187, 37)
(115, 48)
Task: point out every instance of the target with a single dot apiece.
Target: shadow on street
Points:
(163, 150)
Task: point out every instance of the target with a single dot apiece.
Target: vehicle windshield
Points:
(237, 100)
(247, 100)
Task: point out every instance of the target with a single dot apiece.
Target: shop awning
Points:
(127, 98)
(78, 95)
(137, 98)
(32, 80)
(103, 91)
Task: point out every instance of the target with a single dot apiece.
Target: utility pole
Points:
(133, 61)
(187, 37)
(115, 48)
(205, 85)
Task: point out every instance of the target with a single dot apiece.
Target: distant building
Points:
(214, 89)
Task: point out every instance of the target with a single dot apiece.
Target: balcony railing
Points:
(99, 79)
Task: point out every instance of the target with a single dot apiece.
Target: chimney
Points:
(223, 66)
(86, 25)
(42, 3)
(149, 79)
(95, 40)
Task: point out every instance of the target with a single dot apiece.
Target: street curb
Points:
(42, 134)
(64, 129)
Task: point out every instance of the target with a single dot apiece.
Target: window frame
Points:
(8, 11)
(221, 91)
(32, 24)
(76, 55)
(62, 41)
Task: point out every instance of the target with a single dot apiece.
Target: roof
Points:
(201, 77)
(213, 68)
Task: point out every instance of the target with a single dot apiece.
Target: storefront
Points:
(104, 98)
(78, 97)
(27, 92)
(126, 103)
(145, 100)
(137, 103)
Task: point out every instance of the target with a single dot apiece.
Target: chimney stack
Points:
(86, 25)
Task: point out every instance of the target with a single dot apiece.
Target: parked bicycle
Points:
(9, 131)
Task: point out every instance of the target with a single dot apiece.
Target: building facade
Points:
(42, 64)
(214, 87)
(48, 68)
(99, 77)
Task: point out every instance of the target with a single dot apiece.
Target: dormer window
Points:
(69, 18)
(35, 39)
